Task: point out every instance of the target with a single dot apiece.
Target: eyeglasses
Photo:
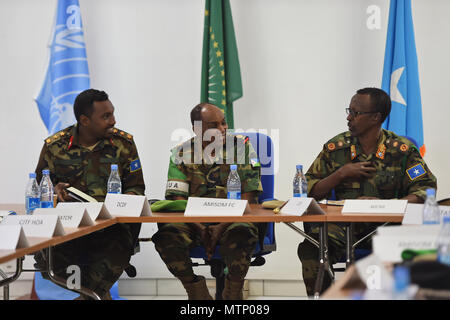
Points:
(354, 113)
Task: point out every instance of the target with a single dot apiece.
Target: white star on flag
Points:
(416, 171)
(395, 93)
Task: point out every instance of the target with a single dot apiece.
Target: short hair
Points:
(84, 102)
(196, 112)
(381, 102)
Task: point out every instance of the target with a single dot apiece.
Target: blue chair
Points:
(264, 148)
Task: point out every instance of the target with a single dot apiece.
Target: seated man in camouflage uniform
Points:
(195, 172)
(366, 162)
(81, 156)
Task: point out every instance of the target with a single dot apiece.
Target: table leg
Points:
(6, 281)
(324, 265)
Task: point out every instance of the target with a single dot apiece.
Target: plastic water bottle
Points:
(114, 183)
(300, 184)
(402, 281)
(443, 242)
(431, 214)
(233, 183)
(46, 190)
(32, 197)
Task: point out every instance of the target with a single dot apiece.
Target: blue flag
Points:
(67, 72)
(401, 75)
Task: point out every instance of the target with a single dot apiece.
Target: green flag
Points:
(221, 74)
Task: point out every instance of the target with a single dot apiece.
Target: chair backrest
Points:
(264, 148)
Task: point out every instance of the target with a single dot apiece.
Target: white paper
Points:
(127, 205)
(70, 217)
(300, 205)
(12, 237)
(96, 210)
(43, 226)
(390, 241)
(413, 215)
(374, 206)
(216, 207)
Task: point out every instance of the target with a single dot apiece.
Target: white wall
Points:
(301, 62)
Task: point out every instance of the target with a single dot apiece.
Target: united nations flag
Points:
(67, 71)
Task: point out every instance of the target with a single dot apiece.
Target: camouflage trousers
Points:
(101, 256)
(309, 253)
(173, 241)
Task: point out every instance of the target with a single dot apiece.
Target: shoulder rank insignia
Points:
(122, 134)
(135, 165)
(416, 171)
(353, 151)
(404, 147)
(331, 146)
(381, 151)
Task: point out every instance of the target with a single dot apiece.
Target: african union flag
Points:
(221, 73)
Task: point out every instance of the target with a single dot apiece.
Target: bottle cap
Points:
(446, 219)
(431, 192)
(32, 175)
(233, 167)
(299, 166)
(45, 171)
(114, 167)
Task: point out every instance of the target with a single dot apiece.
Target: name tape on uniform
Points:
(96, 210)
(374, 206)
(69, 217)
(12, 237)
(213, 207)
(127, 205)
(301, 205)
(42, 226)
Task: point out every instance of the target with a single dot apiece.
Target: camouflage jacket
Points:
(89, 170)
(189, 175)
(401, 171)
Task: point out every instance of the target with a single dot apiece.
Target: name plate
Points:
(42, 226)
(96, 210)
(374, 206)
(389, 242)
(300, 205)
(12, 237)
(127, 205)
(414, 216)
(69, 217)
(214, 207)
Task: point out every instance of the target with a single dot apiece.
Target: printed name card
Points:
(300, 205)
(390, 241)
(69, 217)
(414, 213)
(213, 207)
(374, 206)
(12, 237)
(96, 210)
(42, 226)
(127, 205)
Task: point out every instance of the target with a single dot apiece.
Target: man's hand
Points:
(60, 190)
(357, 170)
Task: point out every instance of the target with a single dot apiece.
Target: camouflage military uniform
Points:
(185, 178)
(401, 171)
(102, 255)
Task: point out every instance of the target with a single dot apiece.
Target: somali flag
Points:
(401, 75)
(67, 72)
